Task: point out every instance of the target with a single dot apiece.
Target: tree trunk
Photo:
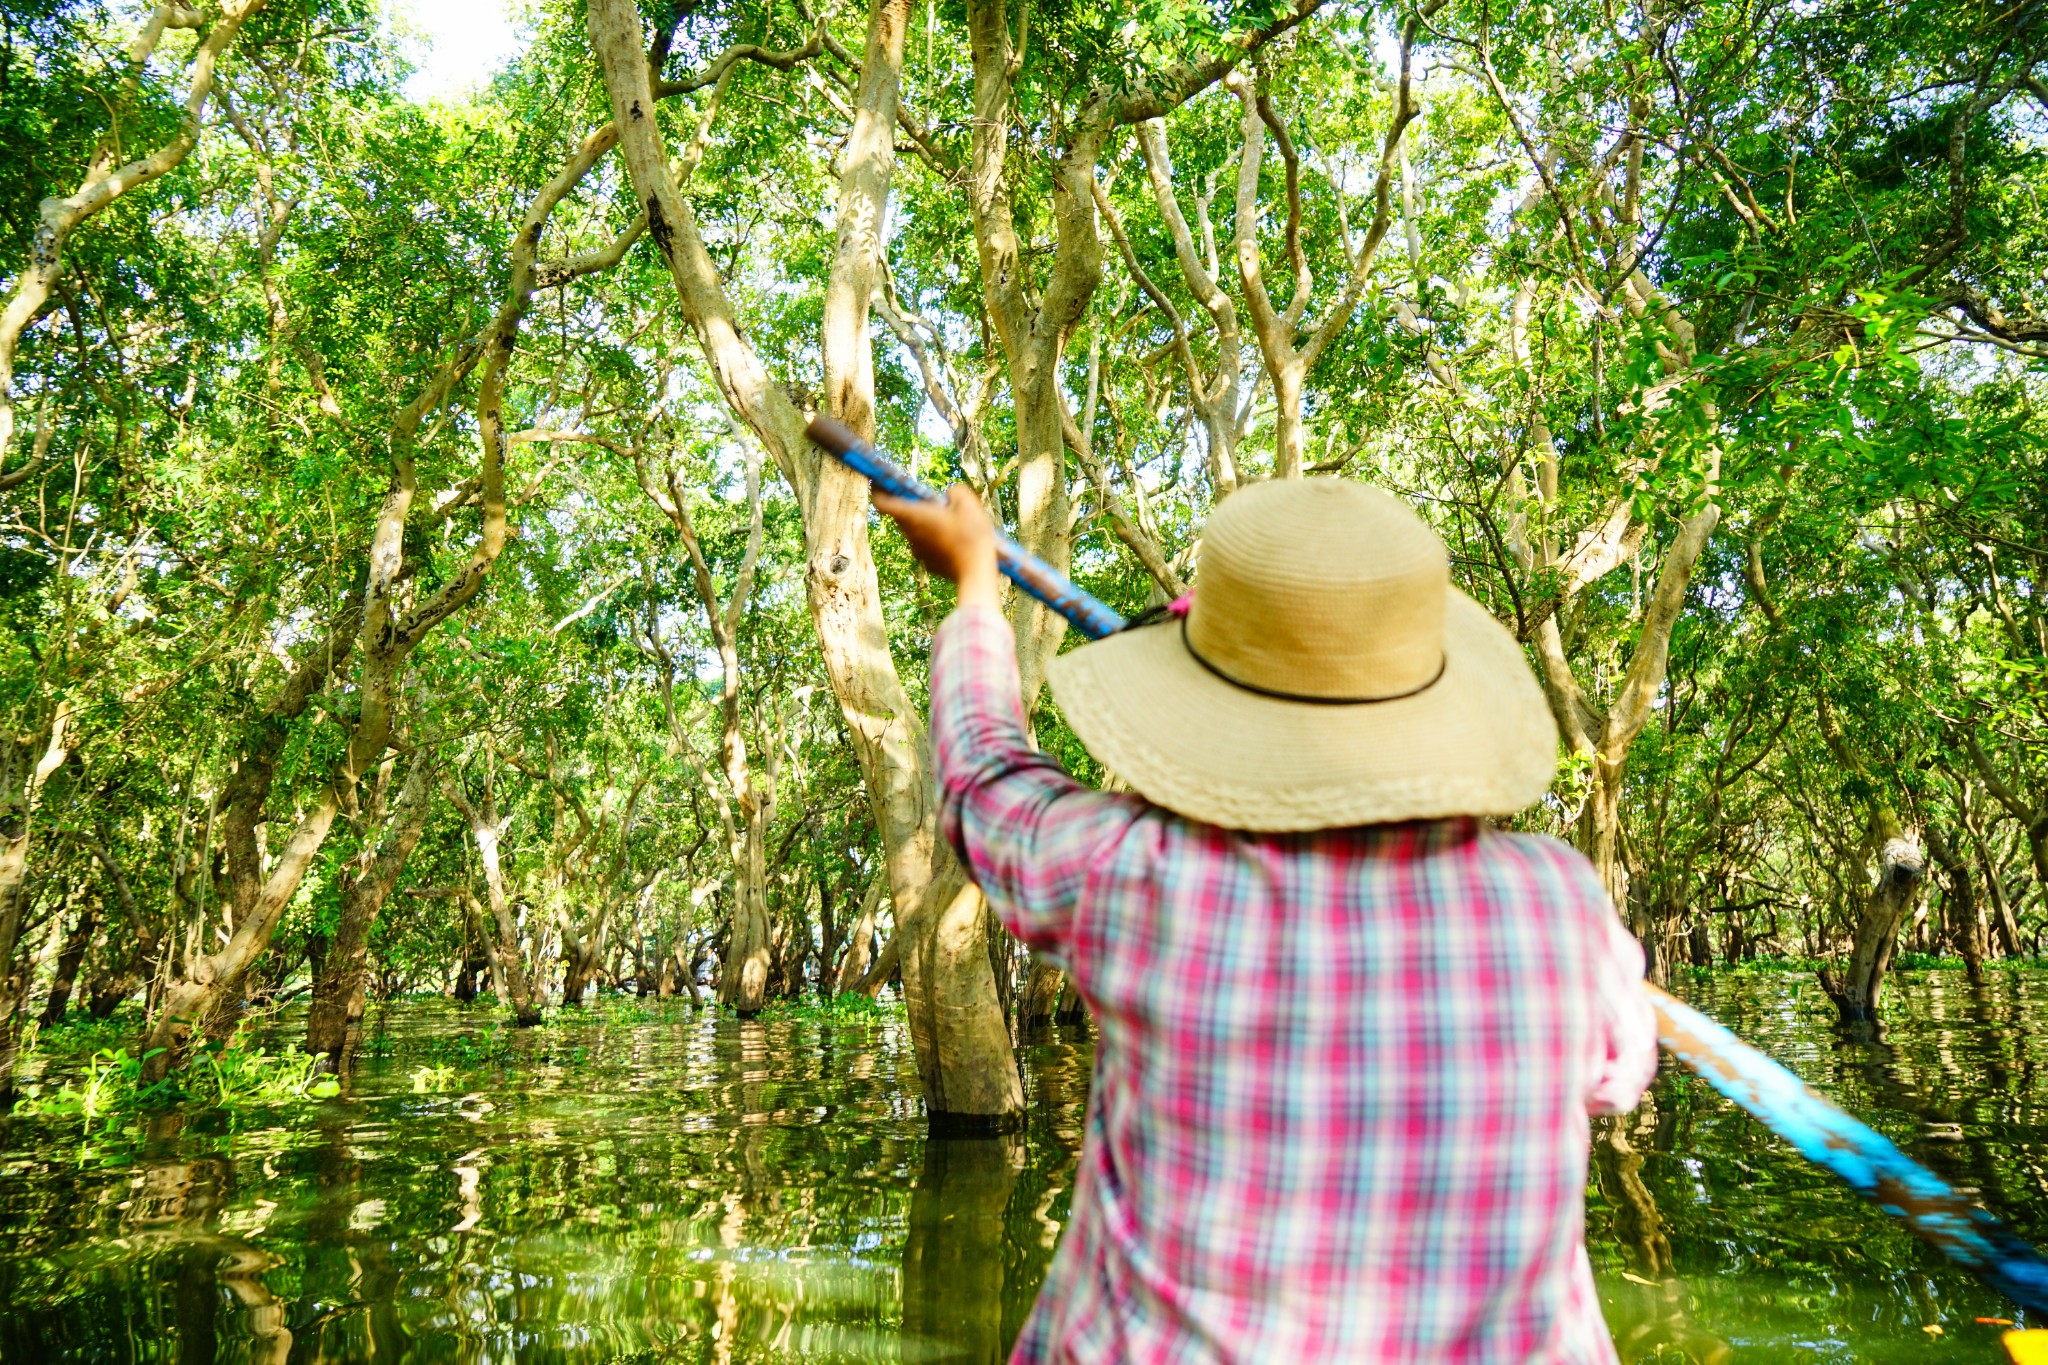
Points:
(68, 959)
(340, 981)
(501, 930)
(845, 596)
(1600, 837)
(950, 989)
(2003, 921)
(1701, 943)
(580, 963)
(1043, 989)
(690, 970)
(854, 965)
(887, 964)
(1966, 926)
(393, 624)
(1900, 867)
(464, 990)
(123, 973)
(26, 764)
(743, 977)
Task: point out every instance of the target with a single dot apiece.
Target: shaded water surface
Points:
(662, 1187)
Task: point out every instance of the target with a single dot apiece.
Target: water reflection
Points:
(684, 1189)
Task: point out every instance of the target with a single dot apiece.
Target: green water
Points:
(675, 1188)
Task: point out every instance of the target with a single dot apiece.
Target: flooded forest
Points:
(471, 880)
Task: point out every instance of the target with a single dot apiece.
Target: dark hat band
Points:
(1254, 688)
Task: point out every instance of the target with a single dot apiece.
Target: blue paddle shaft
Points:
(1090, 615)
(1835, 1141)
(1821, 1131)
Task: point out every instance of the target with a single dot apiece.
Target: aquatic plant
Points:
(432, 1080)
(826, 1009)
(245, 1076)
(491, 1046)
(112, 1083)
(221, 1076)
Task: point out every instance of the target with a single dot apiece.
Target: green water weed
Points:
(852, 1007)
(253, 1076)
(491, 1047)
(432, 1080)
(111, 1084)
(78, 1034)
(219, 1076)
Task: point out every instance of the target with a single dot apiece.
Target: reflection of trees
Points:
(1657, 1325)
(954, 1258)
(171, 1218)
(697, 1192)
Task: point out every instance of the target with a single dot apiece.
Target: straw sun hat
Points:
(1326, 674)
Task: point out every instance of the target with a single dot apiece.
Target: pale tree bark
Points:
(886, 964)
(339, 987)
(1892, 869)
(1287, 365)
(393, 624)
(1043, 987)
(746, 802)
(1034, 318)
(580, 873)
(967, 1068)
(962, 1045)
(1135, 525)
(576, 885)
(854, 965)
(26, 764)
(108, 178)
(501, 936)
(1215, 391)
(964, 1062)
(1608, 736)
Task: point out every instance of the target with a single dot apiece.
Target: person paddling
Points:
(1349, 1033)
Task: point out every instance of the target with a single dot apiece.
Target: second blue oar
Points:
(1822, 1131)
(1089, 615)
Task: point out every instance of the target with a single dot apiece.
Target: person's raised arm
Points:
(1027, 832)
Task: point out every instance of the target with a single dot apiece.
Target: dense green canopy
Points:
(412, 577)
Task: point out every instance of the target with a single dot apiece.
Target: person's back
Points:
(1343, 1073)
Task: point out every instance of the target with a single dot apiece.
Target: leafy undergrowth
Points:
(832, 1009)
(561, 1039)
(1904, 962)
(220, 1075)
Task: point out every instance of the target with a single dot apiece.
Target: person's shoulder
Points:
(1547, 859)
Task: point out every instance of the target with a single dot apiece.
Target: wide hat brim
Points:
(1479, 741)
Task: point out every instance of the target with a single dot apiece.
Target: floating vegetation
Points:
(219, 1075)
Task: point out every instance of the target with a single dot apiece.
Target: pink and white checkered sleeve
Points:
(1028, 833)
(1626, 1026)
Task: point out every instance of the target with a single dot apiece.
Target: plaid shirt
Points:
(1342, 1078)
